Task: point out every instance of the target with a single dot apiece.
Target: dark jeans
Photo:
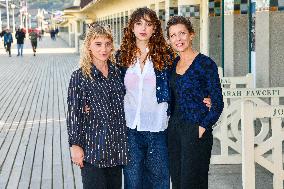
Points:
(101, 178)
(34, 45)
(8, 48)
(148, 166)
(189, 156)
(20, 49)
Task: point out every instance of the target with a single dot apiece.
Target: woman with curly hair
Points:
(97, 137)
(145, 60)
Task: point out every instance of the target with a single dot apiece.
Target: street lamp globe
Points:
(12, 6)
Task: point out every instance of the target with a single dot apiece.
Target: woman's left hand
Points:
(201, 131)
(207, 102)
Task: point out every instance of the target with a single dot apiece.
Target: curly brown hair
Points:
(159, 51)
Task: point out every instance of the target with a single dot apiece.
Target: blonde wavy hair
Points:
(86, 59)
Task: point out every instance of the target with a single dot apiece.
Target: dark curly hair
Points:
(179, 20)
(159, 51)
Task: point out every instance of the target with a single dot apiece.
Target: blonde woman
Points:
(97, 137)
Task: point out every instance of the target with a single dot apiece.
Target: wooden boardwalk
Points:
(34, 151)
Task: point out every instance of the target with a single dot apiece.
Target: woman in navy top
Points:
(194, 77)
(98, 138)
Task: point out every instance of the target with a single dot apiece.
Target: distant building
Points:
(266, 37)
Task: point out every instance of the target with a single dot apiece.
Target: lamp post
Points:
(38, 18)
(13, 14)
(0, 20)
(21, 18)
(8, 15)
(26, 22)
(30, 21)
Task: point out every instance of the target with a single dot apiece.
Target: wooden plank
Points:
(36, 176)
(24, 133)
(32, 138)
(69, 180)
(10, 81)
(34, 106)
(57, 173)
(11, 96)
(14, 115)
(48, 137)
(76, 169)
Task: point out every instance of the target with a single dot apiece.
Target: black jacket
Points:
(20, 36)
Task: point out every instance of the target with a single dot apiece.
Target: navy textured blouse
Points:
(101, 132)
(200, 80)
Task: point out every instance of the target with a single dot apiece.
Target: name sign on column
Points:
(257, 92)
(269, 111)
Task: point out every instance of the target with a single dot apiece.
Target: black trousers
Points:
(34, 45)
(101, 178)
(189, 156)
(8, 47)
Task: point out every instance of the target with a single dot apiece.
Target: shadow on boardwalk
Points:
(34, 152)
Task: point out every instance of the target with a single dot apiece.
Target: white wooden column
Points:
(122, 25)
(76, 35)
(248, 166)
(119, 28)
(157, 7)
(204, 27)
(116, 28)
(167, 10)
(277, 150)
(1, 18)
(70, 31)
(112, 23)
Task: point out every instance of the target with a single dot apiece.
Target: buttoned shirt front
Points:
(142, 110)
(162, 80)
(102, 131)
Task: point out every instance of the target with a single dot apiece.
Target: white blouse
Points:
(142, 110)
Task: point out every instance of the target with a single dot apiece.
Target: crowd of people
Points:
(146, 109)
(34, 35)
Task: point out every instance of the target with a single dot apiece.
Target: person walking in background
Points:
(194, 77)
(2, 36)
(98, 138)
(56, 31)
(39, 35)
(52, 34)
(42, 33)
(33, 37)
(20, 36)
(8, 40)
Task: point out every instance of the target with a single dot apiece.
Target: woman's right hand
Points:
(87, 109)
(77, 155)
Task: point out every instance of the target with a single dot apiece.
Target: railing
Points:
(251, 129)
(267, 149)
(227, 131)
